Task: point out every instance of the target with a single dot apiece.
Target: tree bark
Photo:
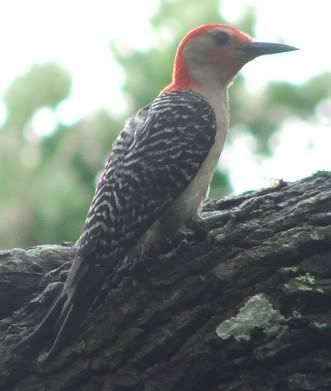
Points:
(242, 304)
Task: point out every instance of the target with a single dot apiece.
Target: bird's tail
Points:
(69, 308)
(44, 329)
(78, 295)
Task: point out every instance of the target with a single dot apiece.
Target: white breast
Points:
(187, 205)
(189, 201)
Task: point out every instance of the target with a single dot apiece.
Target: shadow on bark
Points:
(244, 305)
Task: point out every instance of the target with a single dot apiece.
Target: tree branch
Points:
(244, 306)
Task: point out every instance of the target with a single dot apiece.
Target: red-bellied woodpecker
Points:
(160, 167)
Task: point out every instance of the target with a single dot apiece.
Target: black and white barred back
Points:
(155, 157)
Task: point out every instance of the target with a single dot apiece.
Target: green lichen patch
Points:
(320, 325)
(296, 315)
(256, 313)
(306, 280)
(41, 359)
(303, 283)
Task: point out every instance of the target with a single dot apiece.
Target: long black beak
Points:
(255, 49)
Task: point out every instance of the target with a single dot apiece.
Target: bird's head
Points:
(212, 55)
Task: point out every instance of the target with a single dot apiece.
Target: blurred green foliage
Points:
(47, 184)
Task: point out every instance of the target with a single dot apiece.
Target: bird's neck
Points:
(216, 96)
(213, 87)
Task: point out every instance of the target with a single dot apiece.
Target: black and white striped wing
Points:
(154, 159)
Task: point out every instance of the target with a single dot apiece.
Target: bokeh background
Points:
(72, 72)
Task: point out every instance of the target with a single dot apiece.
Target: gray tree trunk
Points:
(244, 306)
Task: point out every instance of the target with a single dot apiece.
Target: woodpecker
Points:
(159, 170)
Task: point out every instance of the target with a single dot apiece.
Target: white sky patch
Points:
(239, 159)
(43, 123)
(299, 149)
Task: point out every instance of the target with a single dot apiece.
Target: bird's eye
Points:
(220, 37)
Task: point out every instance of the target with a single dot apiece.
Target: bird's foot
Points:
(198, 227)
(208, 225)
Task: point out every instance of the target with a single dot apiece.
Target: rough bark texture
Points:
(246, 306)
